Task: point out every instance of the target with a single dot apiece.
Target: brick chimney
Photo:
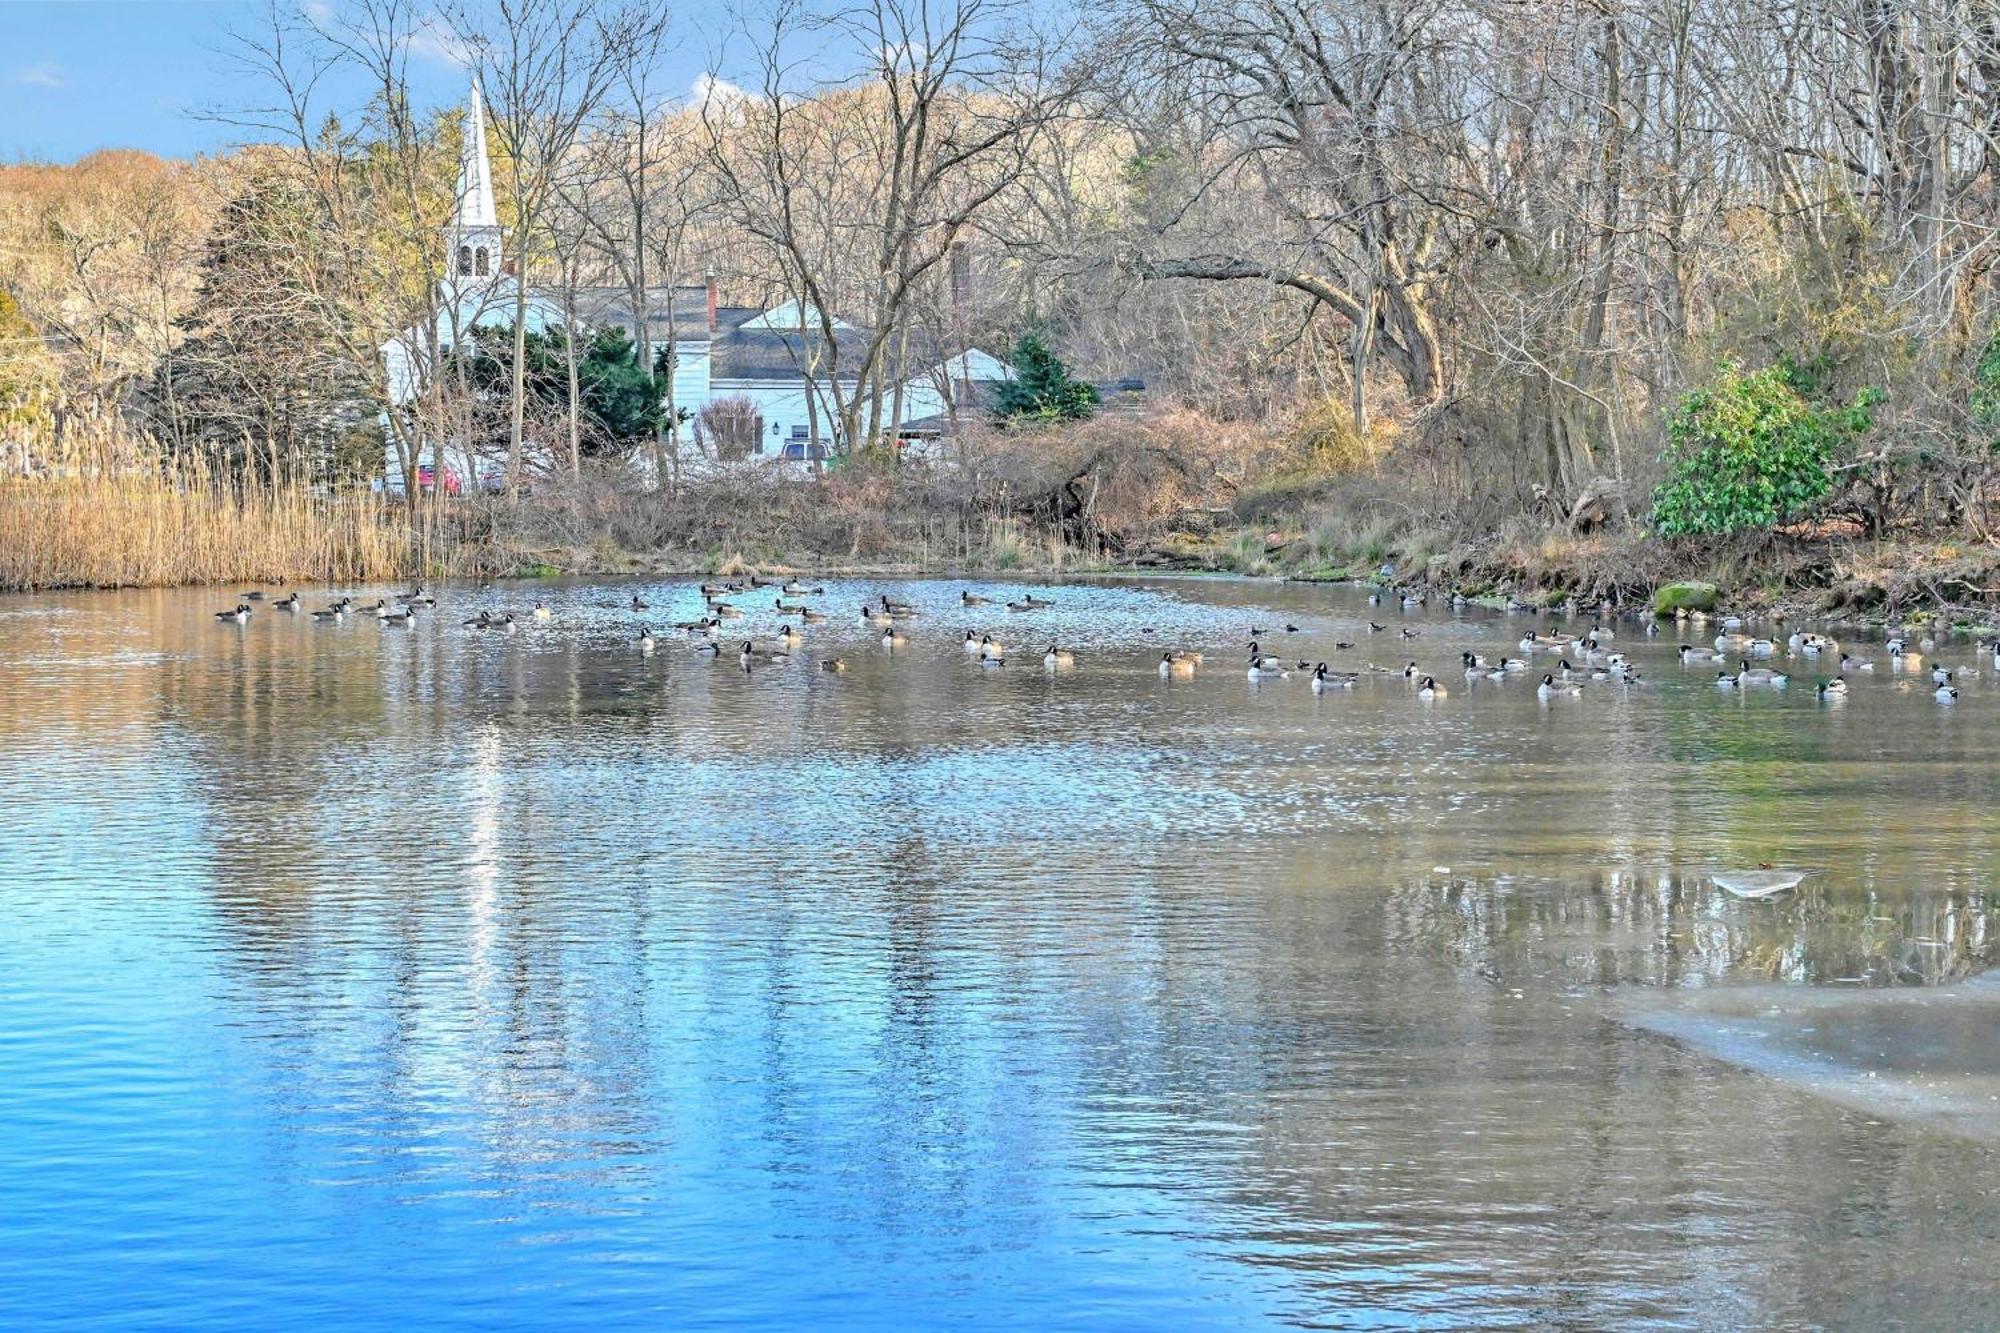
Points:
(961, 276)
(713, 301)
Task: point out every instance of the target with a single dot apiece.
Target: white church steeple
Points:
(473, 234)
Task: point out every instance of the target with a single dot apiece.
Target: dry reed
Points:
(95, 522)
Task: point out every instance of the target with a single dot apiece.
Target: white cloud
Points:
(434, 40)
(45, 75)
(714, 88)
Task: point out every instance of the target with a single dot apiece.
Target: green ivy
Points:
(1749, 451)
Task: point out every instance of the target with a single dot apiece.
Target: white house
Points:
(761, 370)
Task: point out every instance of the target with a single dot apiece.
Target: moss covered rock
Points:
(1684, 597)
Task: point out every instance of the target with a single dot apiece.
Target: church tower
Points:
(472, 237)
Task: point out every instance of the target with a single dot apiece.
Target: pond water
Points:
(359, 977)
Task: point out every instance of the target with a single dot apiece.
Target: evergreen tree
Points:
(1041, 389)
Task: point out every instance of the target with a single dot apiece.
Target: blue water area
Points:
(355, 977)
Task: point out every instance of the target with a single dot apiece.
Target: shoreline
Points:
(1854, 583)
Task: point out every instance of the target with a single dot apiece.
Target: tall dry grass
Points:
(123, 518)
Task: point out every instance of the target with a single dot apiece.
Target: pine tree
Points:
(1041, 389)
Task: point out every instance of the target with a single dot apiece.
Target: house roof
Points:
(681, 311)
(1114, 398)
(745, 347)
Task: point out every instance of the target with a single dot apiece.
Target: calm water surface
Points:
(362, 978)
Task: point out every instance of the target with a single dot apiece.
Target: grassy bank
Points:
(1164, 494)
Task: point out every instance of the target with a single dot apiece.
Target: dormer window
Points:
(465, 261)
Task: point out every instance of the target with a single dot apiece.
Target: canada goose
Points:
(506, 623)
(1428, 688)
(1291, 629)
(893, 638)
(833, 664)
(1459, 601)
(990, 650)
(1342, 647)
(1725, 681)
(251, 596)
(1944, 694)
(708, 648)
(1374, 599)
(967, 597)
(756, 582)
(1940, 676)
(1749, 675)
(1832, 689)
(1512, 664)
(1037, 603)
(971, 644)
(1259, 660)
(787, 610)
(897, 608)
(1324, 680)
(790, 636)
(401, 617)
(724, 611)
(331, 615)
(239, 614)
(542, 611)
(1854, 664)
(1413, 599)
(752, 654)
(1175, 664)
(711, 591)
(380, 609)
(1599, 632)
(1550, 688)
(1411, 633)
(1058, 657)
(796, 589)
(874, 617)
(1019, 606)
(812, 617)
(645, 641)
(1374, 628)
(1690, 653)
(638, 605)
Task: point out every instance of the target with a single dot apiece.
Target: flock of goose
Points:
(1578, 659)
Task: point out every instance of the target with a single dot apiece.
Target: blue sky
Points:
(79, 75)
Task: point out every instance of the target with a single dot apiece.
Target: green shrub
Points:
(1749, 451)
